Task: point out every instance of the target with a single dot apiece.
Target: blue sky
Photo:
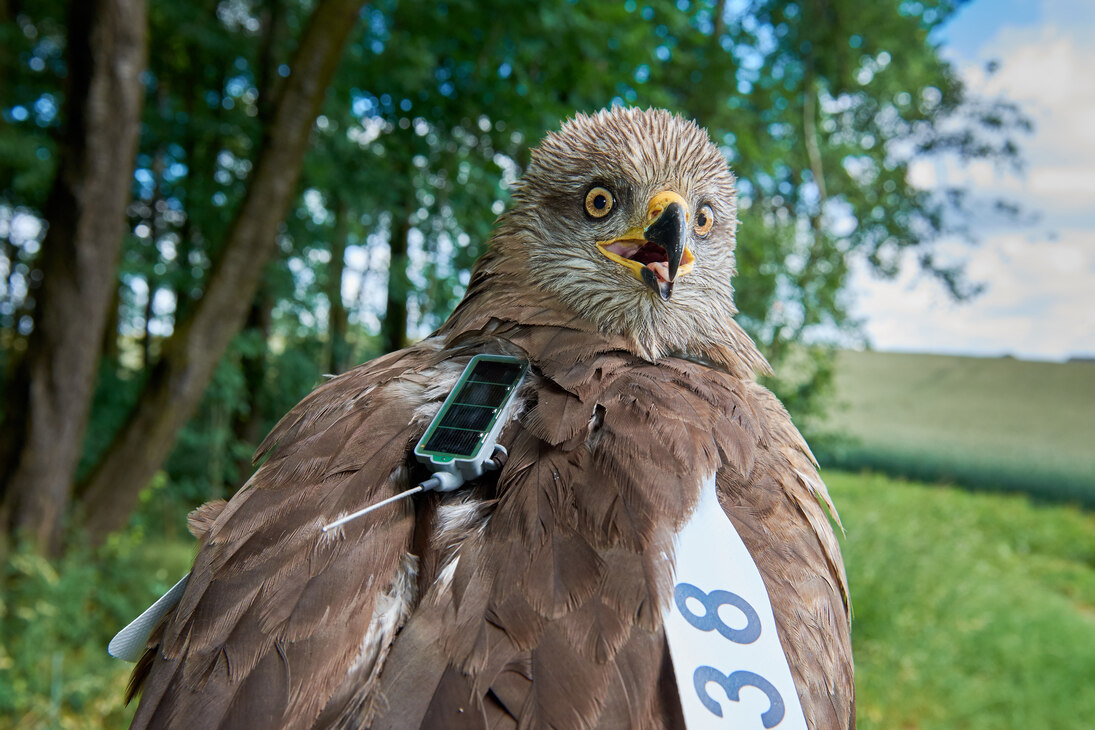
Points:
(977, 22)
(1039, 301)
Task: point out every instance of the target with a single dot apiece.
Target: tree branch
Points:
(191, 354)
(48, 400)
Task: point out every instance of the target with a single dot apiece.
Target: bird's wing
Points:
(546, 609)
(534, 600)
(779, 509)
(277, 614)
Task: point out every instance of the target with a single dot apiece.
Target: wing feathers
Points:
(543, 588)
(562, 574)
(276, 611)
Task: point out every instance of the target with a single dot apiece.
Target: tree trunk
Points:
(189, 357)
(247, 427)
(399, 285)
(338, 325)
(111, 350)
(49, 397)
(146, 337)
(267, 82)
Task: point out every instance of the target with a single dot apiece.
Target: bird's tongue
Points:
(649, 254)
(654, 258)
(660, 269)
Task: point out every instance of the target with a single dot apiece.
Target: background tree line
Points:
(206, 206)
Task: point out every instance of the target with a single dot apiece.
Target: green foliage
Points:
(803, 382)
(211, 459)
(115, 394)
(819, 107)
(56, 619)
(31, 66)
(203, 464)
(999, 423)
(970, 611)
(1039, 476)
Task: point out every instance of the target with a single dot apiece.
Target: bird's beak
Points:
(656, 253)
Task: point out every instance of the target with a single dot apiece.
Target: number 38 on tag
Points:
(730, 666)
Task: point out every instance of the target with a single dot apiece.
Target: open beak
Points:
(656, 253)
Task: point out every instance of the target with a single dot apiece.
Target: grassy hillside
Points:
(983, 422)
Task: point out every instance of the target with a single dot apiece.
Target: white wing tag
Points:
(129, 643)
(730, 666)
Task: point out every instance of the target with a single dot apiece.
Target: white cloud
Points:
(1045, 70)
(1040, 303)
(1040, 296)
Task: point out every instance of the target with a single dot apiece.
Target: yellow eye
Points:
(599, 202)
(705, 219)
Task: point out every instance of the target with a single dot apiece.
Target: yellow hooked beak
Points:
(656, 253)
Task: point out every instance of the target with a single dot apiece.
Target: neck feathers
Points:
(502, 300)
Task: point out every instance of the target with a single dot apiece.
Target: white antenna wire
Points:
(371, 507)
(443, 481)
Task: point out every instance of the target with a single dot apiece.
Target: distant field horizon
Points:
(1072, 357)
(984, 422)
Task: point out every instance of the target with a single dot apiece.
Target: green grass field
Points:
(972, 610)
(994, 423)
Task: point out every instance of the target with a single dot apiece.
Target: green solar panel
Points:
(468, 419)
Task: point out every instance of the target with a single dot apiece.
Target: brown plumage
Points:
(532, 597)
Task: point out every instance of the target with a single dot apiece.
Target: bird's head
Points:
(628, 217)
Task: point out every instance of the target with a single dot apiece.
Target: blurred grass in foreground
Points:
(972, 611)
(987, 423)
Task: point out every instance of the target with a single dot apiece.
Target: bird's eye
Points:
(599, 202)
(705, 219)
